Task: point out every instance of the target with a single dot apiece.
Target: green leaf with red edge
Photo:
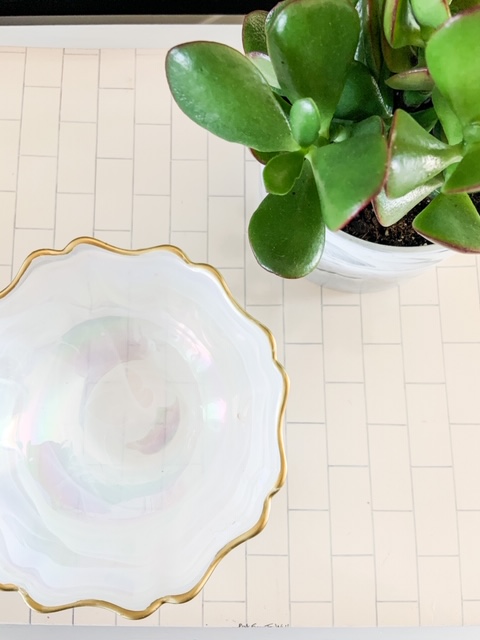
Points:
(391, 210)
(253, 32)
(398, 60)
(221, 90)
(281, 172)
(348, 175)
(370, 45)
(399, 24)
(263, 156)
(264, 65)
(312, 44)
(361, 96)
(456, 6)
(430, 13)
(415, 156)
(452, 221)
(453, 54)
(287, 233)
(427, 118)
(451, 124)
(417, 79)
(466, 177)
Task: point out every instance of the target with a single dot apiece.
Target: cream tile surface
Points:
(380, 519)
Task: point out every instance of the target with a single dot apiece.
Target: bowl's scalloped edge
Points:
(253, 531)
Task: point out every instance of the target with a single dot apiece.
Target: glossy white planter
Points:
(351, 264)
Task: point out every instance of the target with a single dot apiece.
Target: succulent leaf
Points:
(361, 96)
(374, 125)
(452, 221)
(466, 177)
(287, 233)
(282, 171)
(264, 65)
(391, 210)
(427, 118)
(430, 13)
(453, 54)
(412, 80)
(253, 32)
(305, 121)
(222, 91)
(311, 44)
(370, 44)
(415, 155)
(451, 124)
(348, 175)
(400, 27)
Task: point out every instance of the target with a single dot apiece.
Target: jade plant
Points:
(347, 103)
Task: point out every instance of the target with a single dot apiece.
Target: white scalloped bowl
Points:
(140, 427)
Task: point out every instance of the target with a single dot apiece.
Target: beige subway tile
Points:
(5, 276)
(10, 136)
(311, 614)
(342, 335)
(390, 467)
(339, 298)
(306, 401)
(384, 384)
(152, 167)
(267, 590)
(43, 67)
(271, 316)
(224, 614)
(192, 243)
(462, 371)
(253, 190)
(189, 140)
(303, 311)
(469, 535)
(354, 592)
(395, 556)
(397, 614)
(457, 259)
(381, 317)
(273, 540)
(459, 304)
(187, 614)
(235, 280)
(40, 117)
(428, 425)
(471, 612)
(74, 217)
(350, 511)
(346, 424)
(113, 194)
(307, 466)
(227, 582)
(151, 221)
(422, 344)
(121, 239)
(421, 290)
(226, 166)
(115, 123)
(12, 67)
(435, 515)
(466, 451)
(226, 231)
(189, 195)
(310, 560)
(59, 617)
(76, 159)
(262, 287)
(7, 217)
(37, 182)
(117, 68)
(27, 241)
(152, 95)
(79, 101)
(93, 616)
(13, 609)
(440, 594)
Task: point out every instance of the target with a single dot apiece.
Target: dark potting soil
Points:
(366, 226)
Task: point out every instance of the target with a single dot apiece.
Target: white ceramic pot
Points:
(351, 264)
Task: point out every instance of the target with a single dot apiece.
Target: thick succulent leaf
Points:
(413, 79)
(263, 156)
(391, 210)
(348, 175)
(453, 54)
(430, 13)
(264, 65)
(374, 125)
(253, 32)
(466, 176)
(452, 221)
(287, 233)
(427, 118)
(281, 172)
(456, 6)
(451, 124)
(311, 44)
(361, 96)
(305, 121)
(399, 24)
(398, 60)
(415, 99)
(222, 91)
(415, 155)
(370, 44)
